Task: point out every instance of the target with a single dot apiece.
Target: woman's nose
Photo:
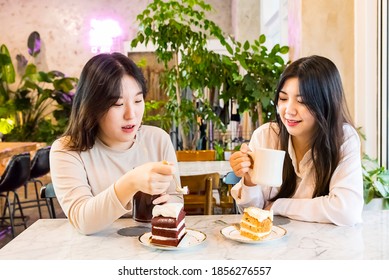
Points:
(291, 108)
(129, 113)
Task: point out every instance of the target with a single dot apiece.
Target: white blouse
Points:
(342, 206)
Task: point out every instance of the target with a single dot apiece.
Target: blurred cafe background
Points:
(56, 38)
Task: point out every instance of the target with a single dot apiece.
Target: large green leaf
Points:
(7, 67)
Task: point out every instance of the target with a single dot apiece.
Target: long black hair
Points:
(322, 92)
(98, 89)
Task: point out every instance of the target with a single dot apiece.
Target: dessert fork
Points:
(179, 190)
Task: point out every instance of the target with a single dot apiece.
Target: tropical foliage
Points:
(375, 181)
(37, 106)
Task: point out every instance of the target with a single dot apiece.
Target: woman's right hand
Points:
(152, 177)
(241, 163)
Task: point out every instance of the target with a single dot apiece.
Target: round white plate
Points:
(192, 238)
(232, 233)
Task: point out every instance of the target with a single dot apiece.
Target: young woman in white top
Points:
(322, 173)
(106, 156)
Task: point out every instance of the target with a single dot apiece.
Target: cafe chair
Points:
(227, 202)
(40, 166)
(200, 200)
(15, 176)
(200, 155)
(47, 192)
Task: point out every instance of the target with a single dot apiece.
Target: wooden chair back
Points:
(201, 155)
(200, 200)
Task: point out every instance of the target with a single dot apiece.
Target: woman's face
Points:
(118, 127)
(294, 114)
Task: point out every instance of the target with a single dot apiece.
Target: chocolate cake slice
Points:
(168, 224)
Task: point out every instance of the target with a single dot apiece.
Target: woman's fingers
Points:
(161, 199)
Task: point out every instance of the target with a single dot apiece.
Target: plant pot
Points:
(374, 204)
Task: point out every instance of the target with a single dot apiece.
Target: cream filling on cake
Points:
(258, 234)
(172, 229)
(158, 237)
(259, 214)
(168, 210)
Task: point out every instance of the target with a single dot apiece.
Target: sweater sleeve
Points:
(344, 204)
(247, 196)
(86, 212)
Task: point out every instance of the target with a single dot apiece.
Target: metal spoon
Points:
(235, 225)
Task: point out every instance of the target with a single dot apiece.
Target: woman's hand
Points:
(241, 163)
(153, 177)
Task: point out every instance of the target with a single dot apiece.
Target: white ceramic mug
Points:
(268, 166)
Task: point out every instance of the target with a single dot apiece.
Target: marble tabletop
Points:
(57, 239)
(203, 167)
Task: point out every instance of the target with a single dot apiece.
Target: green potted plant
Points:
(375, 183)
(38, 106)
(254, 90)
(179, 30)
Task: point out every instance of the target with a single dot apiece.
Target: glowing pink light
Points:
(102, 35)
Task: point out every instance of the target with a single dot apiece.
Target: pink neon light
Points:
(103, 34)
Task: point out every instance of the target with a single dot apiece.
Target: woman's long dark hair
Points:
(322, 92)
(98, 89)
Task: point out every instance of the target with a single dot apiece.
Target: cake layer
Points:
(247, 219)
(168, 232)
(253, 225)
(168, 222)
(258, 213)
(254, 236)
(167, 242)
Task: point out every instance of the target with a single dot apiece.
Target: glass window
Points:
(383, 83)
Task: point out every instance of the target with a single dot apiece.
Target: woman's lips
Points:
(292, 122)
(128, 128)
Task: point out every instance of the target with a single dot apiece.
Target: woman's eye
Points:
(282, 99)
(139, 101)
(118, 104)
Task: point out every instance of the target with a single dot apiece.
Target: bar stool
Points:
(48, 193)
(15, 176)
(40, 166)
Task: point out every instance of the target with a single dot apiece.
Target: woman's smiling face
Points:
(294, 114)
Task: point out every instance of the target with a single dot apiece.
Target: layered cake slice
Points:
(256, 223)
(168, 224)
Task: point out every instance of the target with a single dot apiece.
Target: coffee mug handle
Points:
(251, 155)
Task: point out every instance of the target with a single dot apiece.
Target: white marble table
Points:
(56, 239)
(203, 167)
